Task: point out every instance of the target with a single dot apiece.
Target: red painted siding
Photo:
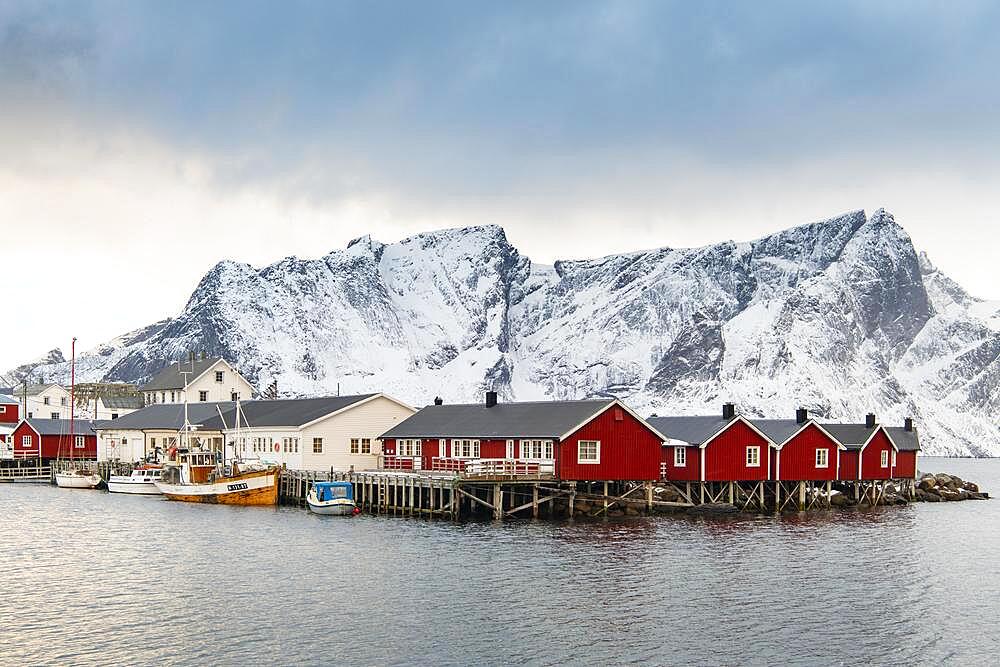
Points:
(726, 455)
(848, 465)
(52, 446)
(8, 413)
(690, 472)
(629, 450)
(871, 457)
(798, 456)
(906, 465)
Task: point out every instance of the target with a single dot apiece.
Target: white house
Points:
(43, 401)
(211, 380)
(337, 432)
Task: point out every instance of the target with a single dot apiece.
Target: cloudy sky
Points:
(142, 142)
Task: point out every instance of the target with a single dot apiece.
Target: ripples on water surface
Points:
(89, 577)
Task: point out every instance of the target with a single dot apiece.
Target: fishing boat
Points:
(141, 482)
(335, 498)
(198, 477)
(195, 474)
(79, 475)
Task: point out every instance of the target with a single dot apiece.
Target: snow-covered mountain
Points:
(841, 316)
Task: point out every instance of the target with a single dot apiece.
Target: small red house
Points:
(869, 453)
(907, 449)
(50, 439)
(713, 449)
(9, 410)
(589, 440)
(805, 452)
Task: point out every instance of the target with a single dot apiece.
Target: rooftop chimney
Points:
(908, 424)
(438, 400)
(491, 399)
(728, 410)
(870, 420)
(801, 416)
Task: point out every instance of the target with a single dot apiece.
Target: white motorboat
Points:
(141, 482)
(333, 498)
(78, 478)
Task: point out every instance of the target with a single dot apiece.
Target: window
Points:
(26, 441)
(588, 451)
(510, 449)
(894, 457)
(62, 401)
(114, 415)
(822, 458)
(54, 415)
(366, 446)
(154, 398)
(404, 447)
(680, 457)
(355, 446)
(163, 397)
(3, 409)
(172, 397)
(218, 376)
(202, 396)
(80, 442)
(753, 457)
(152, 442)
(536, 449)
(885, 458)
(295, 445)
(235, 396)
(465, 449)
(45, 400)
(30, 415)
(317, 445)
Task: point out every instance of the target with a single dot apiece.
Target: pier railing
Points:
(25, 473)
(508, 467)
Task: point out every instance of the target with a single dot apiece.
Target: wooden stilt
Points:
(534, 501)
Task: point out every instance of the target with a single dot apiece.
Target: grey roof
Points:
(166, 416)
(541, 419)
(283, 412)
(123, 402)
(778, 430)
(694, 430)
(171, 378)
(8, 400)
(906, 441)
(852, 436)
(31, 389)
(61, 426)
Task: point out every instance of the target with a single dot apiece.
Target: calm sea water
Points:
(87, 577)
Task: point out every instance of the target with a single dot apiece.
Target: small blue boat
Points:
(336, 498)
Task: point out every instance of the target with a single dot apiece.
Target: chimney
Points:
(801, 416)
(728, 410)
(438, 400)
(908, 424)
(870, 420)
(491, 399)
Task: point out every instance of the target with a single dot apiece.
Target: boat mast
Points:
(72, 397)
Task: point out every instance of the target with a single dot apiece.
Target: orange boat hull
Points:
(250, 488)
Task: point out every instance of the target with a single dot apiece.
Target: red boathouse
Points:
(907, 449)
(869, 452)
(805, 452)
(587, 440)
(49, 439)
(729, 448)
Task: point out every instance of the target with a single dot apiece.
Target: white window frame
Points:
(81, 442)
(510, 449)
(894, 458)
(54, 415)
(355, 444)
(597, 452)
(26, 441)
(885, 458)
(464, 448)
(680, 457)
(755, 449)
(317, 442)
(201, 394)
(366, 447)
(822, 457)
(537, 450)
(220, 376)
(3, 409)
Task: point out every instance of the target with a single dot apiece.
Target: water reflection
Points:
(152, 581)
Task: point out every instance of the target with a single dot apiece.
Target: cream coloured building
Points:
(210, 380)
